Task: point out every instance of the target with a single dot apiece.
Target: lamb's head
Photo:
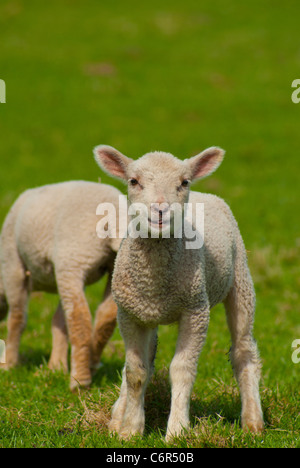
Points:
(158, 182)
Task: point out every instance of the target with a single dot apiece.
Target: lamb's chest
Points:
(152, 297)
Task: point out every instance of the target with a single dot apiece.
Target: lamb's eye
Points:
(133, 182)
(185, 183)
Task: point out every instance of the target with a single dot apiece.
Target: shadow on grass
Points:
(218, 403)
(218, 407)
(158, 395)
(224, 405)
(31, 358)
(109, 372)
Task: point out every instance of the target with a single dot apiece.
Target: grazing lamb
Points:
(49, 243)
(157, 280)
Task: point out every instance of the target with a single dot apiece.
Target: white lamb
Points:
(49, 243)
(159, 281)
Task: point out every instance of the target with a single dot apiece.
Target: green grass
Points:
(173, 76)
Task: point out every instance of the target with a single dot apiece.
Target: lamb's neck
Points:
(159, 243)
(159, 251)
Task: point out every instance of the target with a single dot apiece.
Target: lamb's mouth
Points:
(158, 223)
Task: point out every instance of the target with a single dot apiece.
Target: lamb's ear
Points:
(112, 161)
(206, 162)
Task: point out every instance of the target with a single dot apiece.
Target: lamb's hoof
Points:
(176, 430)
(114, 426)
(255, 426)
(170, 436)
(58, 366)
(76, 385)
(124, 435)
(128, 433)
(125, 431)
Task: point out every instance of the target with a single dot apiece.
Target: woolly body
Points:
(178, 276)
(49, 243)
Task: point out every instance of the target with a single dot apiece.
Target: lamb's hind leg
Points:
(60, 341)
(17, 297)
(105, 324)
(79, 324)
(240, 307)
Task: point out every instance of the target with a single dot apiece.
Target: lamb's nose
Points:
(160, 208)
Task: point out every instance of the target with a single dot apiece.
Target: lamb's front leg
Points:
(119, 407)
(192, 334)
(128, 417)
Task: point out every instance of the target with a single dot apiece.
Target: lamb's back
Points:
(55, 225)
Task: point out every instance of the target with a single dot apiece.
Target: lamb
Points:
(49, 243)
(157, 280)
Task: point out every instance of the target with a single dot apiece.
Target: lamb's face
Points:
(158, 184)
(158, 188)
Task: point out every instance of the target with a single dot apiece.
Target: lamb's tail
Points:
(3, 301)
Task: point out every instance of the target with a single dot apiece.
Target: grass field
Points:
(178, 77)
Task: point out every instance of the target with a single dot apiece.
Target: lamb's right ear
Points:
(112, 161)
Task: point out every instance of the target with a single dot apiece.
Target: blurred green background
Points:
(178, 77)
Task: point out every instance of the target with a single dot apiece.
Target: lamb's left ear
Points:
(206, 162)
